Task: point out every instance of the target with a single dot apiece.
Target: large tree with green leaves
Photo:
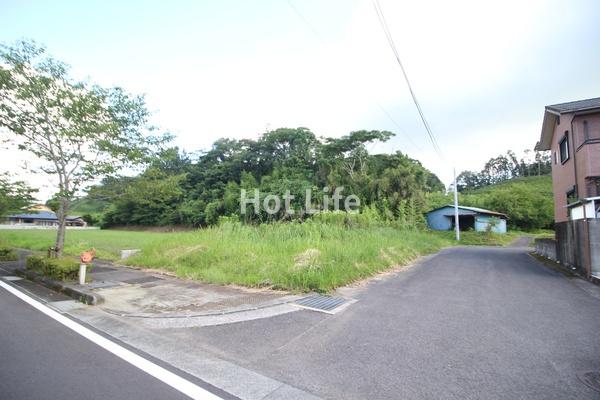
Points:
(78, 131)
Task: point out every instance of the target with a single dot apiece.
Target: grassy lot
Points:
(107, 243)
(308, 256)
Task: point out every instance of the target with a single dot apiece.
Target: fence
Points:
(546, 248)
(576, 243)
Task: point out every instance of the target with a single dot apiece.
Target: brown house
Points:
(571, 131)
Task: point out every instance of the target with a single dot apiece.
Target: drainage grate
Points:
(591, 379)
(144, 279)
(321, 303)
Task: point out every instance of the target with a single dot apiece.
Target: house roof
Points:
(552, 113)
(475, 210)
(42, 215)
(575, 106)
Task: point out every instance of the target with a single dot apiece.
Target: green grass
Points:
(292, 256)
(107, 243)
(471, 238)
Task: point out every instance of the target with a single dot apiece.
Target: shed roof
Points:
(475, 210)
(552, 112)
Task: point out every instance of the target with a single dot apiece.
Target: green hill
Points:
(527, 201)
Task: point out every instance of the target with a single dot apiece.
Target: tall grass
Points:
(308, 256)
(293, 256)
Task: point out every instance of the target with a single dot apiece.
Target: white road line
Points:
(184, 386)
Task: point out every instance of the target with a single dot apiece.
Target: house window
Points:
(592, 186)
(572, 196)
(563, 147)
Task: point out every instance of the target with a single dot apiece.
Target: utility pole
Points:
(456, 224)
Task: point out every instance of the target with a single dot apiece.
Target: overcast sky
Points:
(483, 71)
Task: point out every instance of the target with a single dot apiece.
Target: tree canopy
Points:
(504, 167)
(176, 189)
(14, 195)
(79, 131)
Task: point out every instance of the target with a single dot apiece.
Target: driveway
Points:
(468, 323)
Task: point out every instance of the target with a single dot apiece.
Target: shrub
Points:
(62, 269)
(91, 219)
(7, 254)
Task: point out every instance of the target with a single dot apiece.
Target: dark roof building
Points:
(42, 218)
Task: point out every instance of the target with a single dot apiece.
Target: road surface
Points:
(42, 359)
(469, 323)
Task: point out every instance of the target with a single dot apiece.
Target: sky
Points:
(482, 71)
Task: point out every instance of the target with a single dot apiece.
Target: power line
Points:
(390, 40)
(437, 149)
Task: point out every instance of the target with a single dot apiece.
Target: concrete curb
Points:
(79, 294)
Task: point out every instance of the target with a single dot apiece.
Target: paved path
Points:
(135, 292)
(523, 241)
(469, 323)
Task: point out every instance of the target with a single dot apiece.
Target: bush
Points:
(91, 219)
(62, 269)
(7, 254)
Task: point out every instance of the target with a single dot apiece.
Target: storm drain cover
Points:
(144, 279)
(591, 378)
(321, 303)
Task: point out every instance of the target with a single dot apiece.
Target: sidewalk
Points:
(146, 295)
(137, 293)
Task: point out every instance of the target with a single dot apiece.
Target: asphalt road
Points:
(469, 323)
(42, 359)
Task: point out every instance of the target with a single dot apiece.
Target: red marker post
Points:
(86, 258)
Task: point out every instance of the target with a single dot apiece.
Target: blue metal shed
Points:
(469, 218)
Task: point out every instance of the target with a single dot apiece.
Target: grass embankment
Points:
(309, 256)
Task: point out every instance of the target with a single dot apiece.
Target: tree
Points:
(79, 132)
(150, 199)
(502, 168)
(14, 195)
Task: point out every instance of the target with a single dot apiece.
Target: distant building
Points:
(42, 218)
(469, 218)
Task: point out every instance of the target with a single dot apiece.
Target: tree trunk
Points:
(63, 209)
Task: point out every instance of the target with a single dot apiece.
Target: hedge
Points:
(62, 269)
(7, 254)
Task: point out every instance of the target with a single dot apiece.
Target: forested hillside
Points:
(504, 167)
(195, 190)
(181, 189)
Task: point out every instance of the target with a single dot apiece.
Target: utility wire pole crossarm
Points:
(456, 223)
